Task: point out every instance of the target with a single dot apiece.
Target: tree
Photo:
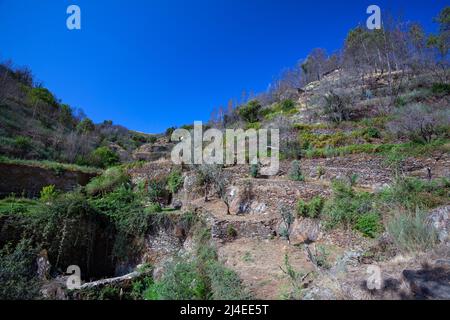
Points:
(337, 107)
(315, 65)
(441, 41)
(85, 126)
(104, 157)
(250, 112)
(295, 172)
(419, 123)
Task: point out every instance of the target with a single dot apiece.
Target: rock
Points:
(177, 204)
(429, 284)
(440, 220)
(304, 231)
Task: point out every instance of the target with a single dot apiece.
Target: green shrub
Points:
(13, 206)
(85, 126)
(175, 181)
(441, 89)
(410, 192)
(156, 190)
(250, 112)
(254, 170)
(369, 224)
(153, 208)
(108, 181)
(17, 272)
(295, 172)
(41, 95)
(231, 231)
(23, 144)
(225, 284)
(311, 209)
(411, 232)
(346, 206)
(287, 105)
(253, 125)
(371, 133)
(48, 193)
(104, 157)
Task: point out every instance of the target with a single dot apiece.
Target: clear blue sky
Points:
(151, 64)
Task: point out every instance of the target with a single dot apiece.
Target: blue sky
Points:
(151, 64)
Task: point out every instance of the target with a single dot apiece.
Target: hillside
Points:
(359, 209)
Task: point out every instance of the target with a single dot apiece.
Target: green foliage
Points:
(311, 209)
(108, 181)
(411, 232)
(253, 125)
(199, 277)
(15, 206)
(295, 172)
(175, 181)
(104, 157)
(250, 112)
(295, 279)
(153, 208)
(254, 170)
(231, 231)
(23, 144)
(410, 192)
(42, 95)
(85, 126)
(369, 224)
(309, 139)
(346, 206)
(287, 218)
(17, 272)
(287, 105)
(441, 89)
(157, 190)
(169, 131)
(48, 193)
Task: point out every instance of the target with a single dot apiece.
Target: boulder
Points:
(440, 220)
(304, 231)
(429, 284)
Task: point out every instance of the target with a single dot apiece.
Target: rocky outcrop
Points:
(304, 231)
(29, 180)
(440, 220)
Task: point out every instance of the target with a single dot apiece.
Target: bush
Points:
(419, 123)
(199, 277)
(412, 192)
(23, 145)
(369, 224)
(104, 157)
(48, 193)
(250, 112)
(287, 105)
(153, 208)
(17, 272)
(175, 181)
(108, 181)
(411, 232)
(441, 89)
(254, 171)
(295, 172)
(311, 209)
(337, 107)
(347, 206)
